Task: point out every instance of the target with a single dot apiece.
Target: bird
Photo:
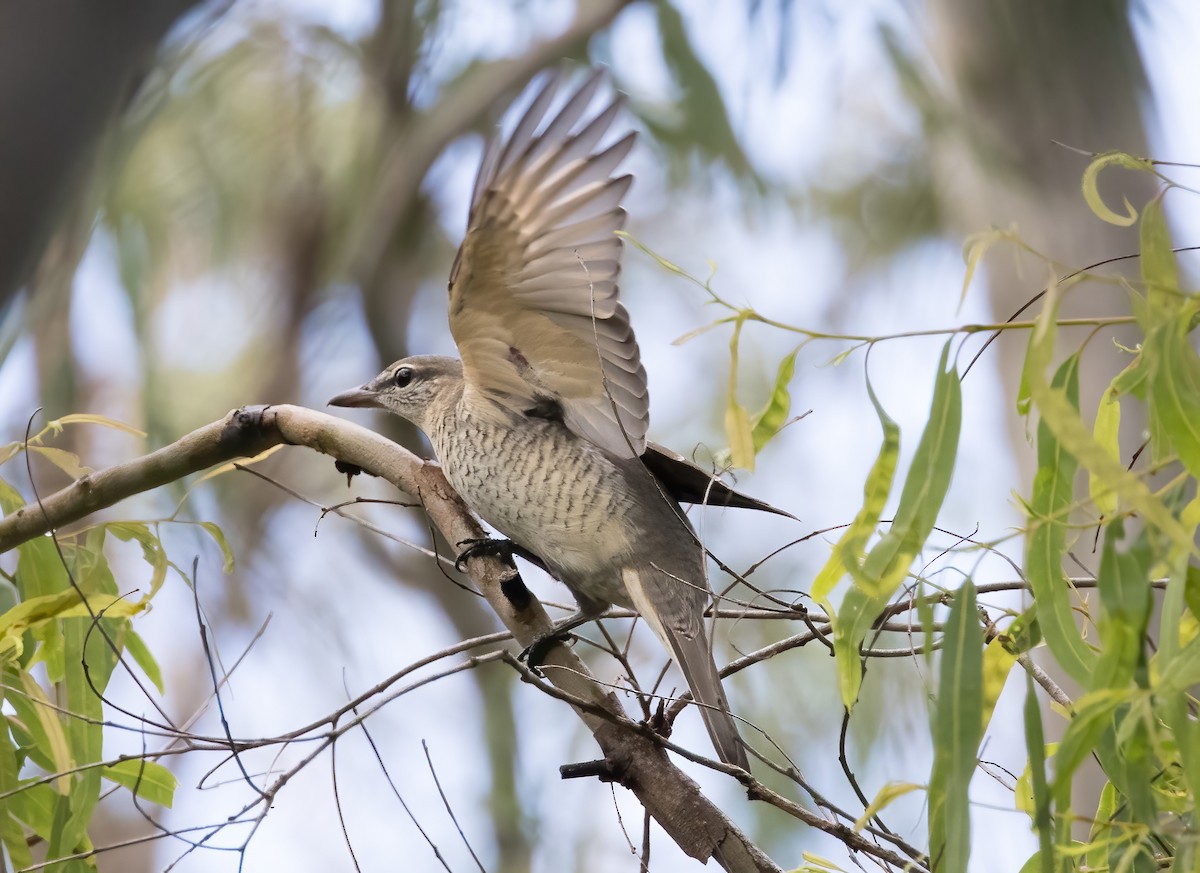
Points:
(541, 423)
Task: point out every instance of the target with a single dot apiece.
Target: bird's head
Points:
(417, 388)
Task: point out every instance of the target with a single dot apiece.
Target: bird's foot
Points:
(535, 653)
(486, 546)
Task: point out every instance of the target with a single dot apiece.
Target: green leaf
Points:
(219, 538)
(774, 416)
(142, 656)
(1105, 432)
(1160, 274)
(1042, 818)
(1093, 716)
(885, 567)
(1059, 412)
(850, 547)
(740, 435)
(883, 799)
(66, 461)
(1175, 389)
(1091, 191)
(1125, 598)
(957, 730)
(147, 779)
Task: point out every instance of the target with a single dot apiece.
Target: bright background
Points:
(227, 267)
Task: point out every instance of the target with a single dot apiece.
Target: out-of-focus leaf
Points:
(152, 550)
(147, 779)
(883, 799)
(740, 435)
(1105, 431)
(1091, 190)
(144, 658)
(66, 461)
(1100, 837)
(1160, 274)
(957, 730)
(11, 831)
(698, 119)
(1038, 787)
(218, 536)
(1125, 599)
(44, 727)
(1093, 713)
(1175, 389)
(89, 418)
(975, 247)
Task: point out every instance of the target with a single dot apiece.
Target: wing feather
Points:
(534, 303)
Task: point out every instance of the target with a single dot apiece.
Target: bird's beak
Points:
(356, 397)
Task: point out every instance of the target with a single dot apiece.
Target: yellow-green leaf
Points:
(1091, 190)
(1105, 432)
(957, 730)
(883, 799)
(147, 779)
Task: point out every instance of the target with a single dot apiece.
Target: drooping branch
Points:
(634, 759)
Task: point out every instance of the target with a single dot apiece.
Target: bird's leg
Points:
(497, 548)
(560, 631)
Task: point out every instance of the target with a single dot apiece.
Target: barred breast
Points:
(547, 490)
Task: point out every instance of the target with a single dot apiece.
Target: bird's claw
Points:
(483, 547)
(535, 653)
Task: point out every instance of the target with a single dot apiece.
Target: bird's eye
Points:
(403, 377)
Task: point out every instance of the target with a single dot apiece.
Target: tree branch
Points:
(641, 764)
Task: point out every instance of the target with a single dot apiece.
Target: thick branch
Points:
(699, 827)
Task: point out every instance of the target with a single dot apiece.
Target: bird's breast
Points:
(540, 485)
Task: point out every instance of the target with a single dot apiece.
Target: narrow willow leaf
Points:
(957, 730)
(1101, 836)
(1091, 191)
(89, 418)
(740, 435)
(46, 730)
(218, 536)
(1125, 599)
(1160, 274)
(924, 490)
(850, 547)
(974, 248)
(774, 416)
(1042, 811)
(148, 780)
(1093, 713)
(888, 562)
(11, 831)
(1175, 389)
(883, 799)
(1105, 431)
(142, 656)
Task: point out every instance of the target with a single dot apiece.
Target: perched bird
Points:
(541, 427)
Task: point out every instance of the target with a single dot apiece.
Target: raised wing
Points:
(534, 306)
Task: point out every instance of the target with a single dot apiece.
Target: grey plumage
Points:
(541, 427)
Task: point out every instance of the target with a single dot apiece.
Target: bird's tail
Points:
(696, 662)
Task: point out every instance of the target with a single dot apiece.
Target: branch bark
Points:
(634, 759)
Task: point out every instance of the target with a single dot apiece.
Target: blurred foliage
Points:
(258, 163)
